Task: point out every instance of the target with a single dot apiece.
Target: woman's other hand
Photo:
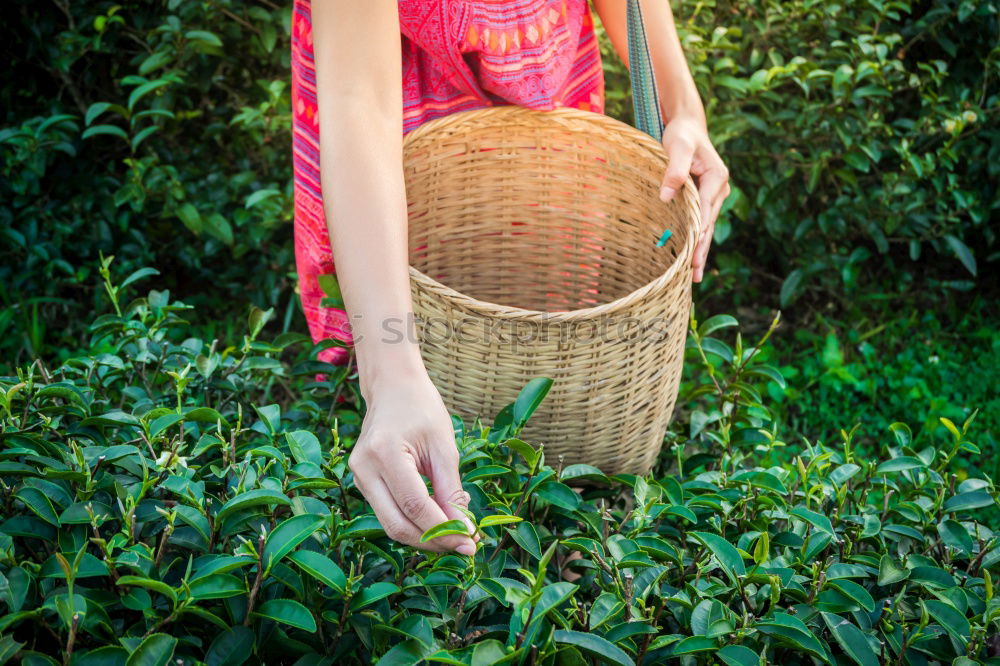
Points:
(407, 432)
(691, 152)
(685, 137)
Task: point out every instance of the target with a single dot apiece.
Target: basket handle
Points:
(645, 97)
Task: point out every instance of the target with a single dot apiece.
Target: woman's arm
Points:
(678, 93)
(358, 77)
(407, 430)
(685, 136)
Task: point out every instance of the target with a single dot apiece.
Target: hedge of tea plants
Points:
(863, 140)
(862, 137)
(173, 500)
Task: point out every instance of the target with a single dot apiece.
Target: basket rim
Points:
(510, 312)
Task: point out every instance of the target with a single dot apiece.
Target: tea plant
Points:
(171, 500)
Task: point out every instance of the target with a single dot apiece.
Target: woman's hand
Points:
(407, 432)
(691, 152)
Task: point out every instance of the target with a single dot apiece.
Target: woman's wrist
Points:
(684, 107)
(384, 362)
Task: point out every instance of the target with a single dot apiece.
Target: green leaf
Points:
(218, 586)
(221, 564)
(716, 322)
(257, 319)
(902, 433)
(935, 577)
(372, 593)
(525, 536)
(190, 216)
(149, 584)
(288, 535)
(205, 36)
(454, 526)
(330, 286)
(550, 598)
(900, 464)
(155, 61)
(525, 450)
(488, 652)
(205, 415)
(304, 447)
(857, 160)
(141, 136)
(817, 520)
(791, 288)
(320, 567)
(104, 130)
(231, 647)
(728, 557)
(205, 615)
(851, 639)
(94, 110)
(855, 592)
(595, 645)
(498, 519)
(260, 195)
(39, 504)
(155, 650)
(529, 398)
(954, 535)
(559, 494)
(693, 644)
(890, 571)
(288, 611)
(144, 90)
(961, 251)
(604, 608)
(769, 481)
(161, 423)
(948, 617)
(681, 512)
(976, 499)
(792, 630)
(251, 498)
(109, 655)
(737, 655)
(270, 415)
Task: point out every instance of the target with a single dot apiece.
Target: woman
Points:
(456, 55)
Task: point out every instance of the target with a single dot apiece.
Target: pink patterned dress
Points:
(457, 55)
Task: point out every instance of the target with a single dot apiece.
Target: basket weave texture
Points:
(533, 253)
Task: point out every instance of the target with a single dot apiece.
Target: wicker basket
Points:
(533, 251)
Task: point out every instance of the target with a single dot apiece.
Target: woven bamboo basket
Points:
(533, 253)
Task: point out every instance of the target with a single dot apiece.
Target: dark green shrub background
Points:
(862, 138)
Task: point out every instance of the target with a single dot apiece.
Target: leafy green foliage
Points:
(878, 126)
(921, 366)
(158, 132)
(160, 505)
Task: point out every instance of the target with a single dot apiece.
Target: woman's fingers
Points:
(680, 152)
(448, 491)
(397, 526)
(713, 188)
(411, 497)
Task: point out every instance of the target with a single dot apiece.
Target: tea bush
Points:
(862, 138)
(156, 131)
(168, 499)
(160, 132)
(918, 363)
